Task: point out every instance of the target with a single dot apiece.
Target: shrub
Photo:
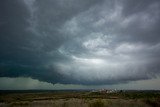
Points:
(97, 103)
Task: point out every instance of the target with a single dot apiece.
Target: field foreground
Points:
(79, 99)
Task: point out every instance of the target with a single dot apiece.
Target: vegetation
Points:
(81, 99)
(97, 103)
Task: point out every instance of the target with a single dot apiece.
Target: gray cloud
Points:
(80, 42)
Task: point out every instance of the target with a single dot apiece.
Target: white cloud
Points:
(130, 48)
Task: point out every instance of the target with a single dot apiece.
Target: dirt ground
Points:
(74, 102)
(80, 99)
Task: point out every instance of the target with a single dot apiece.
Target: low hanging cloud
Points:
(80, 42)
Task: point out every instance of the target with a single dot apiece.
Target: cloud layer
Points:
(80, 42)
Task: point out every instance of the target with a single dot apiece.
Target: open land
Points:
(79, 98)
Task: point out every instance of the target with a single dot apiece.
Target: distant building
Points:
(103, 91)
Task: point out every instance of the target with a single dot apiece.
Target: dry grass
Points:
(80, 99)
(80, 103)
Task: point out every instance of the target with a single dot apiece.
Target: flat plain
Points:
(79, 98)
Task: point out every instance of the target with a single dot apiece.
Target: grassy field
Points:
(80, 99)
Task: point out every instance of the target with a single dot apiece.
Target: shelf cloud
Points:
(88, 42)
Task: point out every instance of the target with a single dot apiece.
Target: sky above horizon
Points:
(79, 44)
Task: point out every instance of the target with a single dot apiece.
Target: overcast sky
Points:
(79, 44)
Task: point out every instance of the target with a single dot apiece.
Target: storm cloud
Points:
(89, 42)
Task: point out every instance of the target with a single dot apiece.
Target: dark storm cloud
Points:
(134, 7)
(146, 20)
(80, 42)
